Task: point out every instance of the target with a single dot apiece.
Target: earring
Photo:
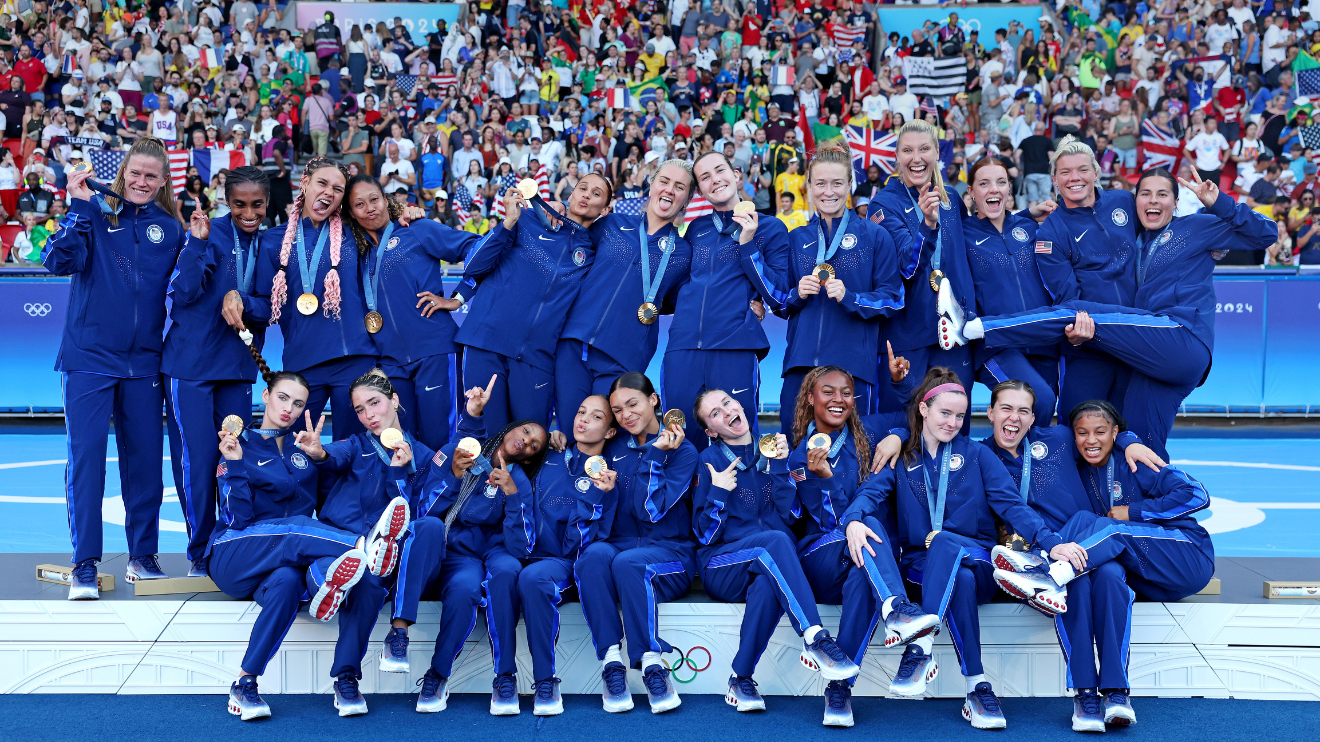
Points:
(396, 405)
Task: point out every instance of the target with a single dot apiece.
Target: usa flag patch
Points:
(439, 459)
(798, 475)
(221, 470)
(1044, 247)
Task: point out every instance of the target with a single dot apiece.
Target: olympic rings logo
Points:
(37, 310)
(686, 658)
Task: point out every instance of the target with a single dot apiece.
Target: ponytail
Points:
(936, 376)
(918, 127)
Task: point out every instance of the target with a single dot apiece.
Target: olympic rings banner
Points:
(1263, 356)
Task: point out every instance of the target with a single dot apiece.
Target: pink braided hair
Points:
(279, 290)
(332, 296)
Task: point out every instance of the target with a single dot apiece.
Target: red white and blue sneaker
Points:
(906, 623)
(1011, 560)
(244, 700)
(435, 693)
(915, 670)
(504, 695)
(144, 568)
(743, 695)
(199, 568)
(660, 689)
(1088, 711)
(348, 699)
(825, 657)
(982, 708)
(342, 575)
(838, 704)
(382, 545)
(83, 583)
(546, 699)
(615, 696)
(1118, 708)
(1037, 586)
(394, 655)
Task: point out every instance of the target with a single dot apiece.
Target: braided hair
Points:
(804, 414)
(279, 288)
(376, 381)
(246, 174)
(531, 467)
(1097, 407)
(360, 234)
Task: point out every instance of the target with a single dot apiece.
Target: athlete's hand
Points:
(1218, 255)
(781, 447)
(477, 398)
(232, 309)
(1140, 453)
(886, 452)
(429, 303)
(77, 185)
(558, 440)
(818, 462)
(199, 225)
(898, 367)
(1081, 330)
(309, 438)
(749, 223)
(230, 448)
(503, 479)
(411, 213)
(402, 455)
(1118, 512)
(461, 462)
(1206, 190)
(670, 438)
(513, 206)
(928, 200)
(808, 285)
(1070, 552)
(859, 537)
(726, 480)
(606, 481)
(834, 289)
(1043, 209)
(758, 308)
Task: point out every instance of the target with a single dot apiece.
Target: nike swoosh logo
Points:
(907, 211)
(809, 244)
(263, 463)
(1079, 237)
(429, 388)
(116, 229)
(538, 386)
(365, 455)
(914, 468)
(739, 391)
(980, 241)
(619, 458)
(628, 229)
(543, 237)
(703, 234)
(155, 384)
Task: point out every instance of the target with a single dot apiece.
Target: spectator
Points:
(397, 175)
(1033, 156)
(1208, 150)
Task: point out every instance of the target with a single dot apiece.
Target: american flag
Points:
(462, 204)
(1310, 136)
(1162, 148)
(698, 206)
(543, 181)
(405, 83)
(799, 474)
(630, 206)
(106, 162)
(1308, 83)
(844, 36)
(179, 159)
(871, 147)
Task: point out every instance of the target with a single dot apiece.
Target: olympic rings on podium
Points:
(685, 657)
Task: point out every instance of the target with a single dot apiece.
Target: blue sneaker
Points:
(144, 568)
(615, 696)
(504, 695)
(245, 702)
(660, 689)
(982, 708)
(825, 657)
(199, 568)
(906, 622)
(1118, 708)
(1036, 586)
(1088, 712)
(348, 699)
(743, 695)
(838, 704)
(915, 670)
(394, 655)
(83, 584)
(547, 701)
(435, 693)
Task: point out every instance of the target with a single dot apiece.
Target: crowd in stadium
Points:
(555, 90)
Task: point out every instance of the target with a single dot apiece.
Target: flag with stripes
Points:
(210, 58)
(799, 474)
(211, 161)
(935, 76)
(781, 75)
(405, 83)
(845, 36)
(630, 206)
(645, 91)
(179, 159)
(618, 98)
(1310, 136)
(1162, 148)
(542, 178)
(1308, 83)
(462, 202)
(871, 147)
(698, 206)
(105, 163)
(68, 65)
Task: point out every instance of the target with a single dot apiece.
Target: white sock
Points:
(810, 634)
(973, 330)
(972, 681)
(888, 607)
(612, 655)
(1062, 572)
(925, 643)
(650, 658)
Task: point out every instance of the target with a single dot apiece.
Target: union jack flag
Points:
(1161, 147)
(871, 147)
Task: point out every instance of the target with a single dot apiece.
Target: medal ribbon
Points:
(1144, 258)
(651, 288)
(937, 507)
(822, 254)
(308, 269)
(735, 233)
(837, 445)
(245, 270)
(1024, 487)
(387, 456)
(372, 283)
(762, 463)
(265, 433)
(939, 238)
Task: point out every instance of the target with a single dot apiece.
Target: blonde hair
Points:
(279, 292)
(922, 128)
(832, 152)
(155, 149)
(1071, 145)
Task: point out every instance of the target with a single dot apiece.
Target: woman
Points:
(267, 546)
(402, 282)
(1001, 252)
(648, 557)
(325, 338)
(206, 362)
(946, 494)
(834, 312)
(828, 478)
(474, 181)
(747, 555)
(612, 325)
(1167, 336)
(924, 217)
(527, 268)
(10, 177)
(357, 56)
(110, 364)
(15, 103)
(192, 198)
(1123, 131)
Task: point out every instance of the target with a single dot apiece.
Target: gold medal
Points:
(391, 437)
(823, 272)
(647, 313)
(935, 277)
(374, 321)
(307, 304)
(1017, 543)
(82, 167)
(233, 424)
(596, 467)
(744, 207)
(528, 188)
(769, 446)
(819, 440)
(930, 537)
(470, 446)
(674, 417)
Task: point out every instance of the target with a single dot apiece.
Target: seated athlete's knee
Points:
(1109, 573)
(965, 582)
(596, 558)
(428, 529)
(282, 586)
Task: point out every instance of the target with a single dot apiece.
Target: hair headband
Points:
(942, 388)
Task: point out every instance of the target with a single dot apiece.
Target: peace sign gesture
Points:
(503, 479)
(478, 398)
(1206, 190)
(309, 438)
(726, 480)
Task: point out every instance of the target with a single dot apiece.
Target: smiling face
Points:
(522, 443)
(1156, 197)
(368, 206)
(669, 193)
(917, 158)
(723, 417)
(828, 187)
(832, 401)
(1074, 176)
(588, 199)
(990, 189)
(634, 410)
(1094, 435)
(716, 181)
(247, 205)
(594, 423)
(323, 191)
(1012, 416)
(944, 415)
(143, 178)
(284, 402)
(374, 410)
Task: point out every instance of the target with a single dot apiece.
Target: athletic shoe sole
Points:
(1119, 718)
(1087, 725)
(838, 721)
(829, 673)
(982, 723)
(919, 687)
(733, 701)
(343, 574)
(250, 714)
(893, 639)
(659, 707)
(549, 709)
(434, 707)
(503, 709)
(354, 710)
(616, 707)
(1012, 561)
(388, 528)
(1037, 600)
(84, 593)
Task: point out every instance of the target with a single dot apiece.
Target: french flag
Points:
(210, 58)
(68, 65)
(211, 161)
(781, 75)
(618, 98)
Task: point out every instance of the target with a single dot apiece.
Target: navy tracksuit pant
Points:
(1164, 564)
(581, 371)
(762, 571)
(329, 382)
(956, 576)
(429, 389)
(541, 587)
(1167, 360)
(686, 373)
(1099, 618)
(636, 581)
(466, 584)
(865, 399)
(1090, 376)
(194, 411)
(90, 400)
(522, 391)
(279, 563)
(1041, 372)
